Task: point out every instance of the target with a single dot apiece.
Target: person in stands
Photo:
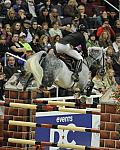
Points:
(11, 68)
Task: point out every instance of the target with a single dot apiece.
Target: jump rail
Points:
(42, 143)
(70, 104)
(69, 97)
(63, 127)
(49, 108)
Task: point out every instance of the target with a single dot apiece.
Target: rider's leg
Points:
(67, 49)
(75, 75)
(78, 68)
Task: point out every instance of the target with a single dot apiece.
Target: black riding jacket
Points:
(75, 39)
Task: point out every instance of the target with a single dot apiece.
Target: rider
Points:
(67, 45)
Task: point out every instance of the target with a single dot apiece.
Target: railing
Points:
(7, 53)
(111, 5)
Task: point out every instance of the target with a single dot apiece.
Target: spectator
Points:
(116, 68)
(46, 4)
(101, 18)
(92, 41)
(2, 82)
(116, 43)
(105, 26)
(43, 16)
(59, 7)
(15, 47)
(39, 6)
(5, 38)
(26, 30)
(83, 18)
(112, 18)
(56, 39)
(55, 30)
(16, 28)
(17, 5)
(44, 29)
(117, 26)
(1, 67)
(75, 24)
(21, 16)
(30, 8)
(23, 42)
(99, 82)
(105, 39)
(34, 28)
(4, 7)
(110, 53)
(70, 9)
(10, 17)
(44, 43)
(109, 78)
(10, 69)
(35, 44)
(54, 17)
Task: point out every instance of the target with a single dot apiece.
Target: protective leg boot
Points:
(78, 69)
(89, 88)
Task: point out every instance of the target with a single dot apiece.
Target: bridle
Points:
(95, 59)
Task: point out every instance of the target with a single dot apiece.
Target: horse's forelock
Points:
(96, 53)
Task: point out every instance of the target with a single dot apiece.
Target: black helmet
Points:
(82, 27)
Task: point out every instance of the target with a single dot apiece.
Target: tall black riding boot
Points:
(78, 69)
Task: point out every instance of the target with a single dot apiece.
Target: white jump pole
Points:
(33, 142)
(63, 127)
(36, 107)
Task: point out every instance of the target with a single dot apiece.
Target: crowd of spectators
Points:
(27, 27)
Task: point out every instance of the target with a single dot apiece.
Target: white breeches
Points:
(67, 49)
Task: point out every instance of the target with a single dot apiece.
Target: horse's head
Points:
(95, 56)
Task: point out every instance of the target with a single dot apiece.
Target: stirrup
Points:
(75, 77)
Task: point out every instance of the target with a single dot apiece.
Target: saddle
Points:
(69, 61)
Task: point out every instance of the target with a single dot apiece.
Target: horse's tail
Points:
(32, 66)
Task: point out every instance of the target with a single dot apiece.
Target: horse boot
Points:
(89, 88)
(75, 75)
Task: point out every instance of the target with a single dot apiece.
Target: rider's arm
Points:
(84, 48)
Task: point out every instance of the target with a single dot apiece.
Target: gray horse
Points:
(51, 70)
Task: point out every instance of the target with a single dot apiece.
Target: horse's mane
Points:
(32, 66)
